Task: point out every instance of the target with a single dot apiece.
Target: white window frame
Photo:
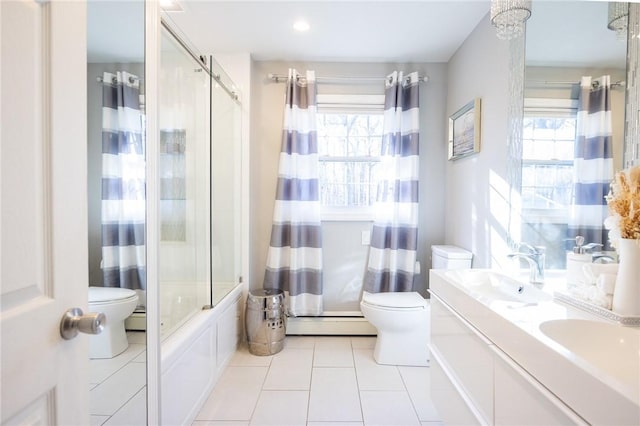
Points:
(550, 107)
(350, 104)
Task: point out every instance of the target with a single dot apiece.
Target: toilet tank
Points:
(450, 257)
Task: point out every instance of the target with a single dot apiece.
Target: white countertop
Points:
(599, 381)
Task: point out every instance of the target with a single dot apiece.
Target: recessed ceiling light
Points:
(170, 6)
(301, 26)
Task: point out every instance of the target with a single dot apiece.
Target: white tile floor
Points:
(319, 381)
(117, 395)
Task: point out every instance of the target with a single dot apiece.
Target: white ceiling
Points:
(347, 30)
(573, 33)
(353, 30)
(115, 31)
(356, 31)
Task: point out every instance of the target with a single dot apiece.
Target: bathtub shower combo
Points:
(199, 191)
(199, 252)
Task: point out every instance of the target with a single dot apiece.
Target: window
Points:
(549, 131)
(350, 130)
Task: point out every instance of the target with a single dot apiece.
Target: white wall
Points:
(476, 190)
(266, 127)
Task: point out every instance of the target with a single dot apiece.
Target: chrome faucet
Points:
(603, 258)
(535, 258)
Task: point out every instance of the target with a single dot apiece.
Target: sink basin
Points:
(609, 347)
(493, 286)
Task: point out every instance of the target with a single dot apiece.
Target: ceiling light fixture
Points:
(301, 26)
(618, 18)
(509, 16)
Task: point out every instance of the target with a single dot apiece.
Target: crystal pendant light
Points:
(618, 18)
(509, 16)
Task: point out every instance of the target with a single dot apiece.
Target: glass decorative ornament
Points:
(618, 18)
(509, 17)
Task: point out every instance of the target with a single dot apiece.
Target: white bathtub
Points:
(181, 300)
(195, 355)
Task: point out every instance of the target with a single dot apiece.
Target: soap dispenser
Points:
(576, 259)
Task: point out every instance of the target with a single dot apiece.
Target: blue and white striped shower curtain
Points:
(593, 162)
(394, 238)
(123, 183)
(294, 260)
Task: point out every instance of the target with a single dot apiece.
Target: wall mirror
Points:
(565, 41)
(116, 210)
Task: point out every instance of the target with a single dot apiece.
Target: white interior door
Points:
(43, 267)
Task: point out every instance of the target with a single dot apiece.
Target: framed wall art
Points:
(464, 130)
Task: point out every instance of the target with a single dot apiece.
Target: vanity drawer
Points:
(466, 356)
(522, 400)
(452, 405)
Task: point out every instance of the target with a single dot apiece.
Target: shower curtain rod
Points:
(131, 79)
(200, 60)
(594, 84)
(282, 78)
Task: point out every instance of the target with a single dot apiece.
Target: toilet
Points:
(402, 321)
(116, 304)
(450, 257)
(403, 318)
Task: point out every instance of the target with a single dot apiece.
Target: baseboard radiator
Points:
(331, 324)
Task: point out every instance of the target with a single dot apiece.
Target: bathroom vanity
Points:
(506, 352)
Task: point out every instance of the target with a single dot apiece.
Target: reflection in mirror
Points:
(575, 66)
(116, 210)
(632, 115)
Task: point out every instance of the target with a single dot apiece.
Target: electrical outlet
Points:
(366, 238)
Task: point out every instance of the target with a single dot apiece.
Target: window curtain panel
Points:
(294, 260)
(123, 183)
(593, 162)
(394, 237)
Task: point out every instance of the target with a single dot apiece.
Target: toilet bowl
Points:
(116, 304)
(402, 320)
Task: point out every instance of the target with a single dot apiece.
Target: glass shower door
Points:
(184, 186)
(225, 180)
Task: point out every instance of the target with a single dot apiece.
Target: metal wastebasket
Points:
(265, 321)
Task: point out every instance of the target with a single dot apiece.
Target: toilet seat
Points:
(395, 300)
(101, 295)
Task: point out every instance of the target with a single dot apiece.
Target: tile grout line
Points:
(126, 402)
(313, 357)
(253, 412)
(113, 374)
(413, 404)
(101, 415)
(355, 373)
(116, 371)
(314, 346)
